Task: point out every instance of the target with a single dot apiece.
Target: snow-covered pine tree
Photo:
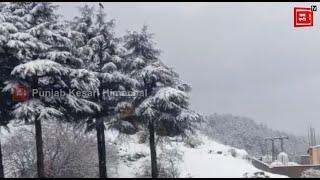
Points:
(1, 110)
(11, 22)
(30, 110)
(102, 55)
(45, 62)
(164, 111)
(80, 30)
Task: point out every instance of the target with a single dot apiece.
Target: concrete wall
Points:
(305, 160)
(290, 171)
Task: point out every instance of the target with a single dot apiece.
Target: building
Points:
(314, 155)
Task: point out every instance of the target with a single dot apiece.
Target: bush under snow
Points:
(69, 152)
(311, 173)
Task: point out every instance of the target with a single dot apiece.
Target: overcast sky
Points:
(240, 58)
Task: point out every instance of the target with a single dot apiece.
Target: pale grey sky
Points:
(240, 58)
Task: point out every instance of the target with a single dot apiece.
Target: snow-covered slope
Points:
(210, 159)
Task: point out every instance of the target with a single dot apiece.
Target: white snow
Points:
(38, 67)
(200, 163)
(34, 110)
(109, 67)
(7, 28)
(21, 36)
(81, 105)
(165, 98)
(167, 93)
(188, 115)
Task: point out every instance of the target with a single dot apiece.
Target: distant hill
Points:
(245, 133)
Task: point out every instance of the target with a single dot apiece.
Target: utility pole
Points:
(273, 139)
(272, 147)
(282, 143)
(312, 136)
(273, 153)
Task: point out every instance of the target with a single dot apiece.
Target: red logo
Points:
(20, 93)
(303, 17)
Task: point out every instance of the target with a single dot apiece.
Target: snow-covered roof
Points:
(313, 147)
(304, 155)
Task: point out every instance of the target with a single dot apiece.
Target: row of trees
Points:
(245, 133)
(40, 51)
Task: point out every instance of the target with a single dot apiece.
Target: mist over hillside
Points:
(245, 133)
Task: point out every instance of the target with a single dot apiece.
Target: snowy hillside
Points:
(225, 128)
(210, 159)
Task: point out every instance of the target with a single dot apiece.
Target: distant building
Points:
(314, 155)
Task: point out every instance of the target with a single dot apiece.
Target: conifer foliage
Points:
(43, 53)
(102, 56)
(40, 53)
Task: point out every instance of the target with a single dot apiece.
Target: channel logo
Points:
(20, 93)
(303, 16)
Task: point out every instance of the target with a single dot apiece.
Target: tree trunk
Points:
(101, 148)
(1, 163)
(154, 168)
(39, 146)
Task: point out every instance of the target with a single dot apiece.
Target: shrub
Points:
(68, 152)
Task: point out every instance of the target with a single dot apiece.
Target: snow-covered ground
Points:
(209, 160)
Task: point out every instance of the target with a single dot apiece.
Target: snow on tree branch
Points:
(32, 110)
(39, 68)
(81, 105)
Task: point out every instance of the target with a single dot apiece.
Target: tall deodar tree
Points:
(103, 56)
(44, 62)
(11, 23)
(164, 111)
